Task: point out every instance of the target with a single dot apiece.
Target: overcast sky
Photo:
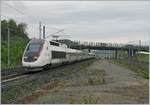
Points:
(103, 21)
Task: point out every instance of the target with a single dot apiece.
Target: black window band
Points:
(58, 54)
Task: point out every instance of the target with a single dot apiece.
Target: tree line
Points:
(17, 31)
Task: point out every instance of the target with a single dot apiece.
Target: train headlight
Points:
(35, 57)
(25, 57)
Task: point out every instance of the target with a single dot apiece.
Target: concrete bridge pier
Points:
(119, 54)
(116, 54)
(131, 53)
(134, 52)
(89, 50)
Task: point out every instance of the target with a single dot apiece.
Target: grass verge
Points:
(142, 70)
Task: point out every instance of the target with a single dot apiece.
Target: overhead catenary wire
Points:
(20, 12)
(53, 34)
(25, 15)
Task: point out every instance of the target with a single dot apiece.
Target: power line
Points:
(53, 34)
(13, 8)
(22, 13)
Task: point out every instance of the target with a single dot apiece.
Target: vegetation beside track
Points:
(18, 39)
(139, 63)
(15, 56)
(141, 58)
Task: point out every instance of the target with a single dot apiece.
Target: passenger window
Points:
(54, 44)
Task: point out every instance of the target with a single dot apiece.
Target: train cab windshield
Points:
(34, 47)
(33, 51)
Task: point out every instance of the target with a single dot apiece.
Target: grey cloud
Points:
(95, 21)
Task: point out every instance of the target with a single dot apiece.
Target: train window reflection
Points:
(34, 47)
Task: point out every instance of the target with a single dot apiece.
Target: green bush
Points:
(16, 50)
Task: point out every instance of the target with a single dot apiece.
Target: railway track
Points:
(23, 73)
(11, 72)
(20, 72)
(33, 81)
(14, 78)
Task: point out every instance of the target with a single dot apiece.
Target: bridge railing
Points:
(104, 44)
(79, 43)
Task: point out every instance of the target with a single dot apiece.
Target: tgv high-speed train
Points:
(40, 53)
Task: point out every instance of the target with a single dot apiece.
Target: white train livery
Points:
(40, 53)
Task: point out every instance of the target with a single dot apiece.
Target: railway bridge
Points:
(130, 49)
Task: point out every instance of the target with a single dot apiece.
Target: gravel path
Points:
(90, 82)
(121, 86)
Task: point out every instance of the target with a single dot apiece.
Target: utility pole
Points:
(8, 63)
(139, 45)
(40, 30)
(43, 32)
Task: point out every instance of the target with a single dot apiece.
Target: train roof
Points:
(35, 40)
